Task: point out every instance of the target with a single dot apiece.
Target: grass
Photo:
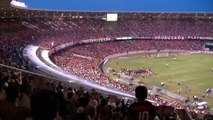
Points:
(193, 70)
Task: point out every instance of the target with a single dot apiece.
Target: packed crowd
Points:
(37, 98)
(30, 97)
(170, 27)
(17, 33)
(141, 71)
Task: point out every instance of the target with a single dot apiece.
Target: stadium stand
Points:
(74, 102)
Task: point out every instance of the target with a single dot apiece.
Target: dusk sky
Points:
(124, 5)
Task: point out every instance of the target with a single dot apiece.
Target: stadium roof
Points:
(8, 11)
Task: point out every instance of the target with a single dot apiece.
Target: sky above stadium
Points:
(123, 5)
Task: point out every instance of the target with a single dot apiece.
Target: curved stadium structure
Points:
(78, 42)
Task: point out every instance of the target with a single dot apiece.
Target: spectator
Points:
(2, 94)
(8, 108)
(44, 105)
(104, 111)
(24, 99)
(142, 109)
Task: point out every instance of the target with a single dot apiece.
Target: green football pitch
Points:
(194, 71)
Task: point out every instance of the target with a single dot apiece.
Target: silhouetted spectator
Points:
(44, 105)
(142, 109)
(24, 99)
(8, 108)
(104, 110)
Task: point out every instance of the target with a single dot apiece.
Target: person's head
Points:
(25, 89)
(1, 84)
(69, 95)
(103, 102)
(83, 101)
(90, 110)
(44, 105)
(12, 92)
(141, 92)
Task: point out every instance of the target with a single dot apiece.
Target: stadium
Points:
(87, 57)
